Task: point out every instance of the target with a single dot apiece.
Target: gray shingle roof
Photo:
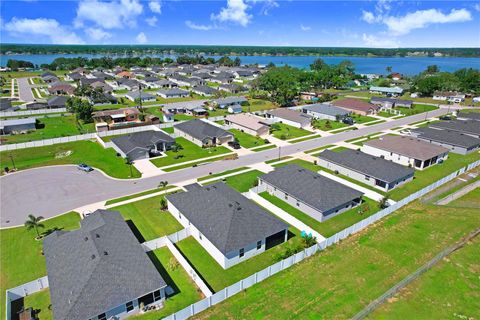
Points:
(202, 130)
(97, 267)
(136, 95)
(225, 217)
(311, 188)
(57, 101)
(446, 136)
(376, 167)
(172, 92)
(468, 126)
(326, 109)
(143, 139)
(230, 100)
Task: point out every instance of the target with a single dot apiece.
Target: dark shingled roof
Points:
(202, 130)
(326, 109)
(446, 136)
(97, 267)
(57, 101)
(227, 219)
(311, 188)
(376, 167)
(143, 139)
(468, 126)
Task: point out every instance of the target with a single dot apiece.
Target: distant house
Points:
(118, 118)
(61, 89)
(49, 77)
(104, 98)
(292, 118)
(389, 103)
(128, 84)
(100, 84)
(317, 196)
(455, 141)
(468, 127)
(35, 105)
(234, 109)
(229, 226)
(5, 104)
(142, 145)
(74, 76)
(308, 96)
(173, 93)
(202, 133)
(357, 106)
(395, 76)
(450, 96)
(134, 95)
(57, 102)
(407, 151)
(229, 101)
(389, 91)
(205, 91)
(248, 123)
(325, 111)
(232, 88)
(100, 271)
(125, 75)
(468, 116)
(186, 82)
(17, 125)
(377, 172)
(162, 83)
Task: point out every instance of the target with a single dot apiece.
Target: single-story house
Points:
(100, 84)
(65, 89)
(183, 106)
(468, 116)
(134, 95)
(407, 151)
(468, 127)
(389, 103)
(129, 84)
(88, 81)
(142, 145)
(325, 111)
(389, 91)
(49, 77)
(5, 104)
(455, 141)
(186, 82)
(232, 88)
(35, 105)
(377, 172)
(124, 74)
(228, 101)
(229, 226)
(100, 271)
(74, 76)
(17, 125)
(234, 109)
(57, 102)
(173, 93)
(357, 106)
(248, 123)
(202, 133)
(205, 91)
(163, 83)
(104, 98)
(293, 118)
(451, 96)
(110, 119)
(317, 196)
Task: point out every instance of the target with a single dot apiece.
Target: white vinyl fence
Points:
(235, 288)
(23, 291)
(31, 112)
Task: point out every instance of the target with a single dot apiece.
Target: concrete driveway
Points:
(25, 90)
(50, 191)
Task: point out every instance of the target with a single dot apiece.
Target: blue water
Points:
(405, 65)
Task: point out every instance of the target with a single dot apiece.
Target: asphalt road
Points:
(50, 191)
(24, 90)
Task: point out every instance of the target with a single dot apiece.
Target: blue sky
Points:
(243, 22)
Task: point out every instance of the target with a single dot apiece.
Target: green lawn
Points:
(189, 152)
(197, 163)
(386, 114)
(302, 163)
(247, 140)
(168, 130)
(221, 173)
(110, 106)
(21, 255)
(288, 132)
(217, 277)
(362, 119)
(333, 225)
(38, 80)
(306, 138)
(182, 117)
(317, 150)
(244, 181)
(375, 122)
(136, 195)
(327, 125)
(51, 127)
(416, 108)
(427, 176)
(85, 151)
(469, 200)
(40, 302)
(186, 291)
(342, 280)
(258, 105)
(266, 147)
(276, 160)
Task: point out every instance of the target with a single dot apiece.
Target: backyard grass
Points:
(136, 195)
(189, 152)
(427, 176)
(101, 107)
(186, 291)
(247, 140)
(258, 105)
(148, 219)
(217, 277)
(469, 200)
(342, 280)
(327, 125)
(182, 117)
(84, 151)
(51, 127)
(211, 176)
(21, 255)
(40, 303)
(286, 132)
(333, 225)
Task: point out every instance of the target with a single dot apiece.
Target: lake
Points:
(404, 65)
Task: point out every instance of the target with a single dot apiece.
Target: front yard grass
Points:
(327, 125)
(136, 195)
(359, 119)
(148, 219)
(168, 130)
(244, 181)
(189, 152)
(21, 255)
(247, 140)
(428, 176)
(217, 277)
(265, 147)
(416, 108)
(302, 163)
(211, 176)
(286, 132)
(85, 151)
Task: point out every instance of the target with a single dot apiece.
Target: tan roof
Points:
(105, 113)
(291, 115)
(407, 146)
(246, 120)
(355, 104)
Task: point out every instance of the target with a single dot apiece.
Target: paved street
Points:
(51, 191)
(24, 90)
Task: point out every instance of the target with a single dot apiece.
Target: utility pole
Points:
(279, 150)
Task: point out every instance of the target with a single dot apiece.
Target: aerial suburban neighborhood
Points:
(232, 181)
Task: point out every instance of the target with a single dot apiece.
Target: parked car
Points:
(348, 121)
(84, 167)
(234, 144)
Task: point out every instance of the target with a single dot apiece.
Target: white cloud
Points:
(50, 28)
(305, 28)
(235, 12)
(152, 21)
(374, 41)
(368, 17)
(477, 6)
(98, 34)
(155, 6)
(267, 5)
(108, 15)
(202, 27)
(141, 38)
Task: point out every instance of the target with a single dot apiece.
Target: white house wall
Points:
(321, 116)
(180, 133)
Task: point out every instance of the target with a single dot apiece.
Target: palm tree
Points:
(163, 184)
(34, 223)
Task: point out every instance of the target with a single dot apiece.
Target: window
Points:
(156, 295)
(129, 306)
(103, 316)
(242, 252)
(259, 245)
